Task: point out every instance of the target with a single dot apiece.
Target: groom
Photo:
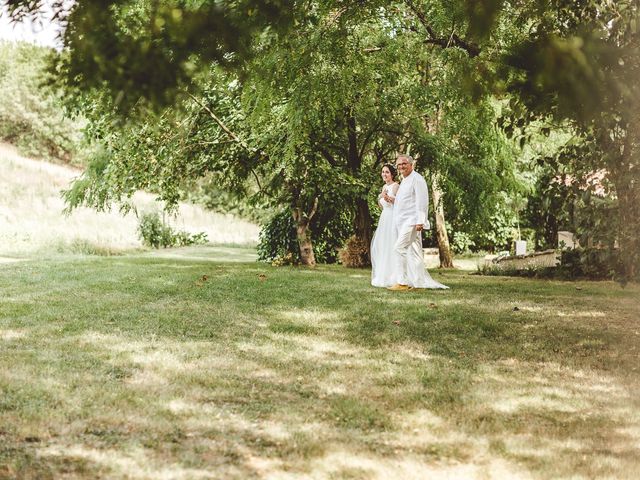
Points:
(410, 218)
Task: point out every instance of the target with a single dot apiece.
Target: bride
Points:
(382, 256)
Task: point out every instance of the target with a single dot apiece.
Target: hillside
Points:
(32, 220)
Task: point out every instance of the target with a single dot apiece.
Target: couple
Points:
(396, 249)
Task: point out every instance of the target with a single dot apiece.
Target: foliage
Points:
(592, 263)
(278, 239)
(462, 242)
(278, 242)
(31, 112)
(569, 195)
(151, 49)
(579, 65)
(214, 197)
(379, 77)
(154, 232)
(318, 138)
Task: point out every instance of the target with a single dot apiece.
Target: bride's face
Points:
(386, 175)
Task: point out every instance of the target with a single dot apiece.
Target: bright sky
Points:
(42, 32)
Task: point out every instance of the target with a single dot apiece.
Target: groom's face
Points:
(404, 167)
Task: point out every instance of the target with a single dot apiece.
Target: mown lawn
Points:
(182, 367)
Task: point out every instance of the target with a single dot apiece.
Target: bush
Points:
(354, 254)
(155, 233)
(593, 263)
(462, 242)
(278, 241)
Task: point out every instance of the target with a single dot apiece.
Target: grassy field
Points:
(203, 364)
(32, 220)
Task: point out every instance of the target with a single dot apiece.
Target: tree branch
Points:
(327, 155)
(314, 209)
(219, 122)
(472, 49)
(368, 137)
(233, 136)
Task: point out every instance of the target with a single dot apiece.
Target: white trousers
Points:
(409, 258)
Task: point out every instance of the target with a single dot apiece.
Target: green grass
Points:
(180, 366)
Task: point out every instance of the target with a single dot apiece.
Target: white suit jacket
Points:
(412, 203)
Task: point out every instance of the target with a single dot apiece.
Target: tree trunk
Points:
(362, 224)
(444, 250)
(303, 234)
(628, 240)
(626, 178)
(362, 221)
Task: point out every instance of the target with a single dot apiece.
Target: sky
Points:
(41, 32)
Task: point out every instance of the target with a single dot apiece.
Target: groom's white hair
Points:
(408, 157)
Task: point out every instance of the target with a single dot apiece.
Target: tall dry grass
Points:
(32, 219)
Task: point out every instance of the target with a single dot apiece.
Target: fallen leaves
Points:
(201, 280)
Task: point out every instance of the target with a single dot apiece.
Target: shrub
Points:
(278, 242)
(155, 233)
(462, 242)
(278, 239)
(593, 263)
(354, 254)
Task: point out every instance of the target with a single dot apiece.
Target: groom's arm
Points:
(422, 203)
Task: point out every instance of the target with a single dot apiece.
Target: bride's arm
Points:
(394, 190)
(381, 198)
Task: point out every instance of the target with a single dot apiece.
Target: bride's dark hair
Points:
(392, 170)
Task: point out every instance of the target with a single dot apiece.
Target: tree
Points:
(32, 113)
(580, 64)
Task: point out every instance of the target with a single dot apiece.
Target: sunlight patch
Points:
(526, 308)
(414, 351)
(146, 378)
(347, 464)
(553, 388)
(308, 315)
(582, 314)
(10, 260)
(315, 348)
(135, 464)
(12, 334)
(528, 400)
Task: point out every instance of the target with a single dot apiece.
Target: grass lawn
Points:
(180, 367)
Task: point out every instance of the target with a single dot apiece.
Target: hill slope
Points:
(32, 222)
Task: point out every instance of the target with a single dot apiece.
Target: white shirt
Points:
(412, 202)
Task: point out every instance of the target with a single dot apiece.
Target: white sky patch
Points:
(42, 30)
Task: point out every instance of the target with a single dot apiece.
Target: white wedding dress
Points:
(382, 254)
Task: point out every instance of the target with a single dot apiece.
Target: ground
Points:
(202, 363)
